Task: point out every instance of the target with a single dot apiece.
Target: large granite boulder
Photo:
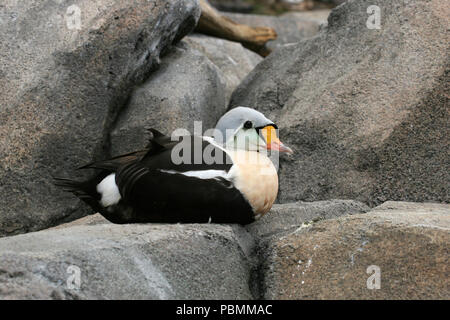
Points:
(92, 258)
(319, 250)
(398, 250)
(108, 261)
(194, 82)
(286, 217)
(233, 60)
(67, 70)
(365, 109)
(187, 87)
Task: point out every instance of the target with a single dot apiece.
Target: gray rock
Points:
(62, 88)
(335, 2)
(288, 216)
(125, 262)
(365, 110)
(273, 6)
(333, 259)
(309, 4)
(90, 220)
(152, 261)
(194, 82)
(282, 220)
(234, 61)
(291, 27)
(187, 87)
(232, 5)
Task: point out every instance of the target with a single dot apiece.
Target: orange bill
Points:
(269, 134)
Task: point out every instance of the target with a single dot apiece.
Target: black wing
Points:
(158, 191)
(157, 196)
(190, 153)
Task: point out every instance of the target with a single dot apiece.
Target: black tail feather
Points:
(156, 133)
(85, 191)
(66, 184)
(159, 138)
(75, 187)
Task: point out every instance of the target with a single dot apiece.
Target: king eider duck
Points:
(227, 178)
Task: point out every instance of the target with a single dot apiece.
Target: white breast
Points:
(256, 177)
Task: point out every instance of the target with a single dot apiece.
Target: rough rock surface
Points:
(329, 259)
(291, 27)
(194, 82)
(232, 5)
(234, 61)
(187, 87)
(273, 6)
(125, 262)
(90, 220)
(366, 110)
(318, 250)
(288, 216)
(151, 261)
(63, 82)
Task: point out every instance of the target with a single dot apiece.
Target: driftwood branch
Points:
(253, 38)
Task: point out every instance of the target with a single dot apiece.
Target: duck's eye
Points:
(248, 124)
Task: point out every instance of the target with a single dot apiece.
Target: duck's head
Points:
(248, 129)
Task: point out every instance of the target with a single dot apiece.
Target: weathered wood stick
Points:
(253, 38)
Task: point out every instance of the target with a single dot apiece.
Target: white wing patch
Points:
(201, 174)
(215, 144)
(206, 174)
(109, 191)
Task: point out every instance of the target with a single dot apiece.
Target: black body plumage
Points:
(153, 188)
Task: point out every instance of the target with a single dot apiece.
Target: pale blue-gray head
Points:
(247, 128)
